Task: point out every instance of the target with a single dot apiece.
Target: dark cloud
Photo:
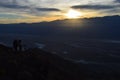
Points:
(93, 7)
(118, 1)
(48, 9)
(13, 4)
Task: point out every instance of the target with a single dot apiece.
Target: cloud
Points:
(48, 9)
(14, 4)
(11, 4)
(93, 7)
(118, 1)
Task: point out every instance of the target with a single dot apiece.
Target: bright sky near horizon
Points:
(17, 11)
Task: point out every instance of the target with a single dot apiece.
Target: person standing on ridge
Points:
(20, 45)
(17, 45)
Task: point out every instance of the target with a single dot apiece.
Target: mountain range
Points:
(93, 28)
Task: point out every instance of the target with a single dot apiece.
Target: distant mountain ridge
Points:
(94, 18)
(101, 27)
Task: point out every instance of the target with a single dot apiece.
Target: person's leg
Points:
(15, 48)
(20, 48)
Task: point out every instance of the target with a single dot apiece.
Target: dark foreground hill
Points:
(36, 64)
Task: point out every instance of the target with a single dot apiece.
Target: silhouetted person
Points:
(20, 45)
(17, 46)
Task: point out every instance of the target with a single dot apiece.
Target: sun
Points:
(72, 14)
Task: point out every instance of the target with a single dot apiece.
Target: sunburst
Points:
(72, 14)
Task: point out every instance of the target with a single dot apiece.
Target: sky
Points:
(30, 11)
